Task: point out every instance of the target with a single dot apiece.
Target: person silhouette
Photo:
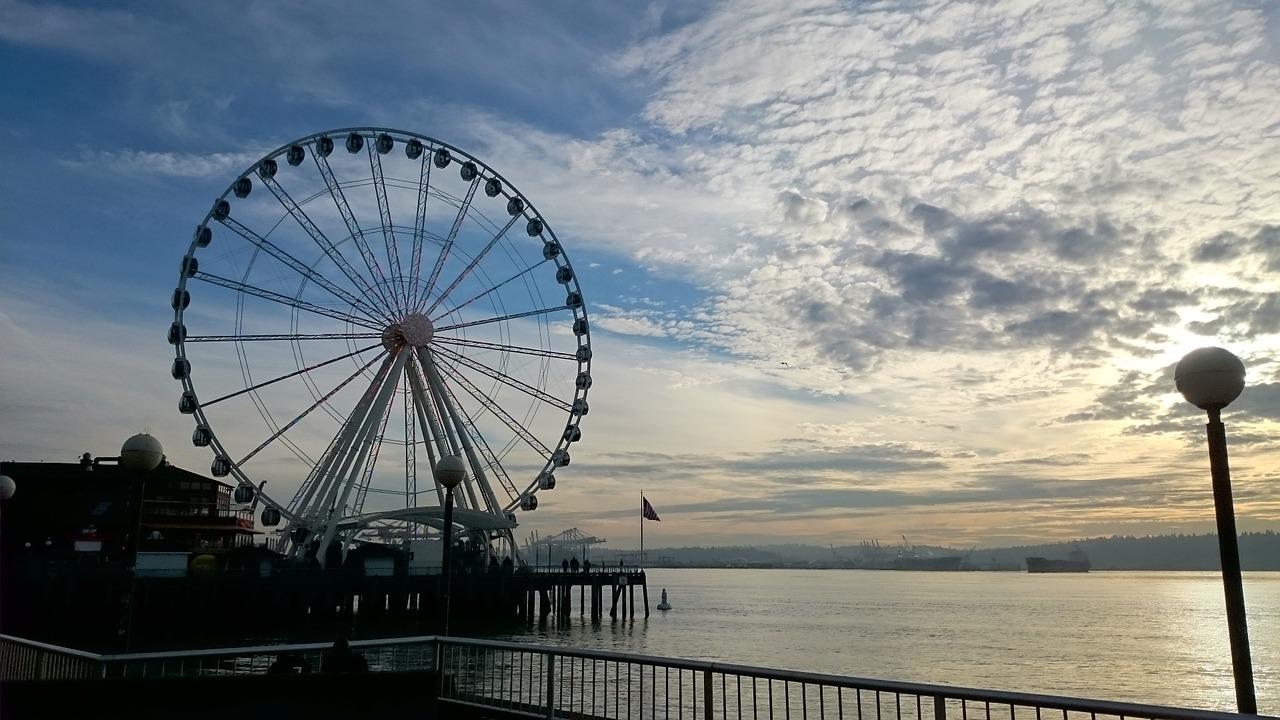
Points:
(342, 659)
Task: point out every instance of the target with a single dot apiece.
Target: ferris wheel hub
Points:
(415, 330)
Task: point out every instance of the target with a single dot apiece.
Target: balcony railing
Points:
(499, 679)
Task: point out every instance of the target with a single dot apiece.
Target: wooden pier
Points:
(113, 610)
(552, 593)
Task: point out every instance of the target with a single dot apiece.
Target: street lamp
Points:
(451, 470)
(1211, 378)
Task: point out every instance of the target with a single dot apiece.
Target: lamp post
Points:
(1211, 378)
(7, 488)
(451, 470)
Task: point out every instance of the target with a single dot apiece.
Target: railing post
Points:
(551, 686)
(706, 695)
(939, 708)
(440, 689)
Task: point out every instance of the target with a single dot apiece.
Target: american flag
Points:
(647, 511)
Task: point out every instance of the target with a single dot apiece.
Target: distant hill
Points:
(1258, 551)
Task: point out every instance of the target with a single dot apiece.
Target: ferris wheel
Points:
(360, 303)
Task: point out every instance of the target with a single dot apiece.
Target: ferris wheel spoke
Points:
(281, 336)
(284, 300)
(498, 286)
(330, 250)
(480, 345)
(504, 378)
(280, 433)
(501, 318)
(493, 409)
(297, 266)
(263, 411)
(353, 227)
(447, 246)
(303, 371)
(388, 229)
(495, 467)
(471, 266)
(420, 224)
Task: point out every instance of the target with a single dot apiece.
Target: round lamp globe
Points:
(1209, 378)
(451, 470)
(142, 453)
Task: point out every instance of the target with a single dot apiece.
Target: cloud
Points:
(219, 166)
(978, 237)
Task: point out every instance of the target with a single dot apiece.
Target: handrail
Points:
(483, 674)
(951, 692)
(52, 648)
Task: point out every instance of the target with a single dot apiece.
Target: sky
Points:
(855, 271)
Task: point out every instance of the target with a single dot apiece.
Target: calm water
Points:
(1153, 637)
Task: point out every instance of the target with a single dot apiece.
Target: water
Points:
(1150, 637)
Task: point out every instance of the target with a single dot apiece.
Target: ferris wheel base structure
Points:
(359, 304)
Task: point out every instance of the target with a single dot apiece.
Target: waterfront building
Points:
(100, 513)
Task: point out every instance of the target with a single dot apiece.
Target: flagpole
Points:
(641, 563)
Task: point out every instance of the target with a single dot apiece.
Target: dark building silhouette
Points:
(99, 513)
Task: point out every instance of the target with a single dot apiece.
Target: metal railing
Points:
(538, 681)
(495, 679)
(29, 660)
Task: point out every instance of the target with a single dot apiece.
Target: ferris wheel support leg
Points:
(448, 441)
(481, 479)
(356, 460)
(459, 439)
(316, 501)
(306, 515)
(428, 417)
(355, 428)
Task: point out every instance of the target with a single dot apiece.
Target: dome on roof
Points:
(142, 453)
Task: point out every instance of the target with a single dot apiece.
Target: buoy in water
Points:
(664, 605)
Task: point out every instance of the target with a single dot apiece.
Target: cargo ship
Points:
(941, 563)
(909, 558)
(1076, 562)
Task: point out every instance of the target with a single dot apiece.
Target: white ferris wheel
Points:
(360, 303)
